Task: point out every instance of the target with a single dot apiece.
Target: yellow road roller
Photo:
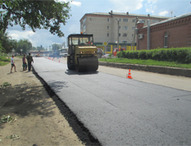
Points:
(82, 53)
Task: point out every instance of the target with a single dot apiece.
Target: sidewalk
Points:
(37, 120)
(178, 82)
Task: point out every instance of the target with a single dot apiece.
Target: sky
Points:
(79, 8)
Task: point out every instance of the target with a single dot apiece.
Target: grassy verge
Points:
(146, 62)
(4, 60)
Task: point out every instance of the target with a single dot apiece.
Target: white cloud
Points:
(62, 1)
(76, 3)
(150, 6)
(40, 37)
(15, 34)
(72, 2)
(163, 13)
(127, 5)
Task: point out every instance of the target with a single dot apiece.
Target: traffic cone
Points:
(129, 75)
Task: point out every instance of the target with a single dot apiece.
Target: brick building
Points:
(170, 33)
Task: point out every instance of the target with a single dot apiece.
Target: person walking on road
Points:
(29, 60)
(24, 63)
(13, 64)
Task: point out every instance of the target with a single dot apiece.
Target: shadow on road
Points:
(73, 72)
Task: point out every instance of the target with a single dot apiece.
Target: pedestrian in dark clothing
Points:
(29, 60)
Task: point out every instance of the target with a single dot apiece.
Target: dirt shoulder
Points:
(36, 118)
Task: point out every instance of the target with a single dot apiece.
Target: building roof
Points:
(123, 14)
(170, 19)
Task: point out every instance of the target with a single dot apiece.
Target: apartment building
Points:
(114, 27)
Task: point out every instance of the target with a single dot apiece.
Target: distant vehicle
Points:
(106, 56)
(37, 55)
(63, 52)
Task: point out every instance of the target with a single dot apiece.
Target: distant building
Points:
(41, 53)
(174, 32)
(114, 27)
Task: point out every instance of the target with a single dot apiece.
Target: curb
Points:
(155, 69)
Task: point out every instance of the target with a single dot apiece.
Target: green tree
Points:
(1, 48)
(38, 14)
(40, 48)
(56, 47)
(23, 46)
(6, 42)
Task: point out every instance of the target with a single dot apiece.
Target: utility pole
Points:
(118, 33)
(133, 41)
(148, 34)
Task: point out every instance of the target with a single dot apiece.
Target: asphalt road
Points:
(120, 111)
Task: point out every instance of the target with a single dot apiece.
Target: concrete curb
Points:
(155, 69)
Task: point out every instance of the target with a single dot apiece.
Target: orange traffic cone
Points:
(129, 75)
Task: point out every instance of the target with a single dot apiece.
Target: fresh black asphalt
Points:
(119, 111)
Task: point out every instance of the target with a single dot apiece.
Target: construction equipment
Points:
(82, 54)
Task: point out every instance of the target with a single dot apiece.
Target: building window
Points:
(90, 19)
(166, 40)
(107, 19)
(119, 34)
(84, 21)
(124, 34)
(125, 20)
(142, 21)
(107, 34)
(84, 28)
(125, 27)
(107, 27)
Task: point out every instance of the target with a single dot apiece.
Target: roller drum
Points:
(87, 64)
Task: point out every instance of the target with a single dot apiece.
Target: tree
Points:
(40, 48)
(56, 47)
(23, 46)
(1, 48)
(6, 43)
(38, 14)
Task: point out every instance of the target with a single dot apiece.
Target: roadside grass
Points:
(146, 62)
(4, 60)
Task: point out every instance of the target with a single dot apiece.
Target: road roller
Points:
(82, 53)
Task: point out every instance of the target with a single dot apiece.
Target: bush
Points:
(148, 54)
(133, 55)
(188, 58)
(142, 55)
(156, 55)
(179, 55)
